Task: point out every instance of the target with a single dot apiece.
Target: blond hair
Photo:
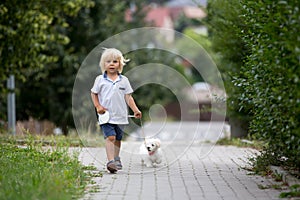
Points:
(112, 54)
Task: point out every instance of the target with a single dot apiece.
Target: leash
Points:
(142, 129)
(143, 133)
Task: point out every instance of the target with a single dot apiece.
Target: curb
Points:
(286, 177)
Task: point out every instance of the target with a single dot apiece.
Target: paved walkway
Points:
(197, 171)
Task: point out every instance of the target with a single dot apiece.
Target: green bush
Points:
(270, 76)
(225, 27)
(264, 84)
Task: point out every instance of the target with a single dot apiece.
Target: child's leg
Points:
(110, 147)
(119, 135)
(110, 135)
(117, 148)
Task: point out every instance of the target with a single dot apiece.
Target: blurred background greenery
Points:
(255, 44)
(44, 43)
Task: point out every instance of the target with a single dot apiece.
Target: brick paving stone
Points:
(199, 171)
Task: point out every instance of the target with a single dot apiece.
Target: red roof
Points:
(165, 16)
(157, 16)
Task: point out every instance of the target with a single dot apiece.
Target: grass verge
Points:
(72, 140)
(30, 172)
(239, 142)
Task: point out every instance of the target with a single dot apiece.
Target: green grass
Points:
(294, 192)
(241, 143)
(72, 140)
(30, 172)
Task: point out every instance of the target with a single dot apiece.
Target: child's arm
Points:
(100, 109)
(131, 103)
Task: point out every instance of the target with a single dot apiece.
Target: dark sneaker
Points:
(111, 166)
(118, 163)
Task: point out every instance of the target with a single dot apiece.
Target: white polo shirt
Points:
(111, 95)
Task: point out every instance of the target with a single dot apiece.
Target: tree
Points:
(49, 96)
(32, 32)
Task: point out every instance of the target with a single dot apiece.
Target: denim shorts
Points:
(113, 130)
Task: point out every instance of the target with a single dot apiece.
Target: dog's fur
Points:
(150, 152)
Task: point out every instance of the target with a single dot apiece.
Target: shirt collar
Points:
(105, 76)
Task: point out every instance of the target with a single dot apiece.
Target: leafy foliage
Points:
(225, 31)
(271, 76)
(32, 33)
(206, 44)
(264, 83)
(75, 27)
(159, 94)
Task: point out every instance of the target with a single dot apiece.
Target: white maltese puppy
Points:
(150, 152)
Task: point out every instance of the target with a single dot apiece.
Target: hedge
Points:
(267, 74)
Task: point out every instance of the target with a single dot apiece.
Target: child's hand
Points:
(100, 109)
(138, 114)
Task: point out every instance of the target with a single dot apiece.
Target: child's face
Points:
(112, 65)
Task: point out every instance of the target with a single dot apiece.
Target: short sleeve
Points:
(128, 88)
(96, 87)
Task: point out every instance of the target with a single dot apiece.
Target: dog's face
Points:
(152, 145)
